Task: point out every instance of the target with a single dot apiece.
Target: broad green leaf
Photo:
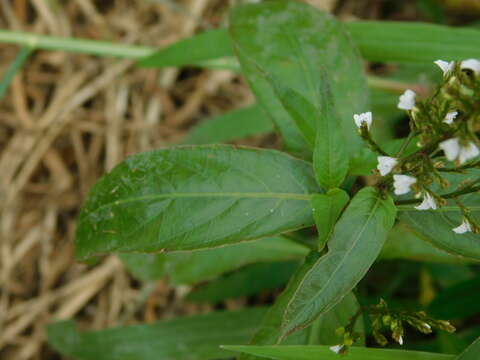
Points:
(232, 125)
(269, 331)
(324, 353)
(470, 353)
(403, 243)
(189, 198)
(384, 41)
(303, 113)
(436, 226)
(244, 282)
(330, 157)
(321, 331)
(458, 301)
(189, 338)
(205, 46)
(357, 239)
(294, 42)
(326, 210)
(146, 267)
(413, 42)
(189, 267)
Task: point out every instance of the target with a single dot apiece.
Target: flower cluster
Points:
(445, 123)
(382, 317)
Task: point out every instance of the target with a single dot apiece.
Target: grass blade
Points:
(7, 78)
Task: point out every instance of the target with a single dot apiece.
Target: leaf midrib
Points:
(339, 265)
(178, 195)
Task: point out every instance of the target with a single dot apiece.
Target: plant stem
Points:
(405, 144)
(460, 168)
(396, 86)
(451, 195)
(75, 45)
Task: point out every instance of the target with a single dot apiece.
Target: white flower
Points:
(463, 228)
(402, 184)
(336, 348)
(450, 117)
(386, 164)
(451, 148)
(363, 118)
(454, 150)
(468, 152)
(400, 340)
(407, 100)
(427, 203)
(445, 66)
(471, 64)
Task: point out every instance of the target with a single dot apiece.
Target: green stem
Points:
(395, 86)
(405, 144)
(366, 136)
(460, 168)
(75, 45)
(451, 195)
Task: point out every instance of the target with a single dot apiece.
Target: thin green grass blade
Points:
(12, 70)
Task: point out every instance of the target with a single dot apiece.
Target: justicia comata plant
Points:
(198, 210)
(444, 127)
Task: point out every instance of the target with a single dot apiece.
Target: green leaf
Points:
(458, 301)
(330, 158)
(413, 42)
(323, 330)
(324, 353)
(436, 227)
(403, 243)
(190, 267)
(471, 353)
(146, 267)
(195, 197)
(302, 112)
(232, 125)
(357, 239)
(294, 42)
(321, 128)
(326, 210)
(12, 70)
(384, 41)
(189, 338)
(205, 46)
(269, 331)
(244, 282)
